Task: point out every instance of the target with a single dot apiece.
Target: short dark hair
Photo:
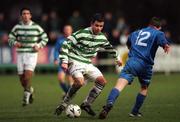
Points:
(97, 17)
(155, 21)
(24, 8)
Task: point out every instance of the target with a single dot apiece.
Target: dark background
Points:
(136, 12)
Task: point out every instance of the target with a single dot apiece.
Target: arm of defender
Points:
(166, 48)
(128, 43)
(162, 41)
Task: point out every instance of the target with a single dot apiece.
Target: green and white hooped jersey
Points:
(28, 35)
(82, 45)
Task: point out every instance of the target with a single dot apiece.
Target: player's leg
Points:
(21, 78)
(113, 95)
(78, 83)
(26, 94)
(139, 101)
(93, 94)
(20, 69)
(21, 73)
(28, 89)
(76, 72)
(141, 96)
(62, 82)
(70, 79)
(125, 78)
(30, 61)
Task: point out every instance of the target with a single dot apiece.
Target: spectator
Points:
(76, 21)
(44, 22)
(108, 26)
(54, 22)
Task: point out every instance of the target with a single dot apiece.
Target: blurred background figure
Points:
(67, 31)
(25, 37)
(108, 23)
(54, 21)
(76, 20)
(44, 22)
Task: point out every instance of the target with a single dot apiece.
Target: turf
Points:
(162, 103)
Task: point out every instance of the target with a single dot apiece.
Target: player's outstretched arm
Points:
(167, 48)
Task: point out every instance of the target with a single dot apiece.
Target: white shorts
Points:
(86, 71)
(26, 61)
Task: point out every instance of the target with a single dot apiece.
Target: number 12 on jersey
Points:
(142, 37)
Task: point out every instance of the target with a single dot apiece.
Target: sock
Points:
(26, 96)
(139, 101)
(94, 93)
(113, 96)
(64, 87)
(31, 89)
(71, 92)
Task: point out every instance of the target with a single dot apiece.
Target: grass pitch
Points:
(161, 105)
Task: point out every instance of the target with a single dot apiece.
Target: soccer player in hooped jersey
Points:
(143, 45)
(76, 56)
(28, 38)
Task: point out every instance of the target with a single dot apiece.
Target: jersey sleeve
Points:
(161, 39)
(12, 36)
(66, 46)
(43, 37)
(73, 39)
(128, 43)
(109, 48)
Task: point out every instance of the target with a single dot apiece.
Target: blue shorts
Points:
(137, 68)
(60, 69)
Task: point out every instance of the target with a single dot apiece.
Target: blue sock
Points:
(139, 101)
(113, 96)
(64, 87)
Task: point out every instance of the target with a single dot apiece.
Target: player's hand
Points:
(18, 44)
(64, 66)
(119, 62)
(56, 62)
(166, 48)
(36, 48)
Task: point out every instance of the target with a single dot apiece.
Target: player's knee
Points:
(144, 90)
(101, 80)
(61, 79)
(78, 82)
(144, 87)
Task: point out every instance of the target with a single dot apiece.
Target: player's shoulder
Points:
(103, 36)
(19, 24)
(36, 25)
(160, 32)
(80, 31)
(16, 26)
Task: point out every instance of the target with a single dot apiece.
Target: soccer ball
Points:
(73, 111)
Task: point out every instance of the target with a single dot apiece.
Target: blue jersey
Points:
(144, 44)
(58, 46)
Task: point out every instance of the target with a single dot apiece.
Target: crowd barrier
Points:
(163, 62)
